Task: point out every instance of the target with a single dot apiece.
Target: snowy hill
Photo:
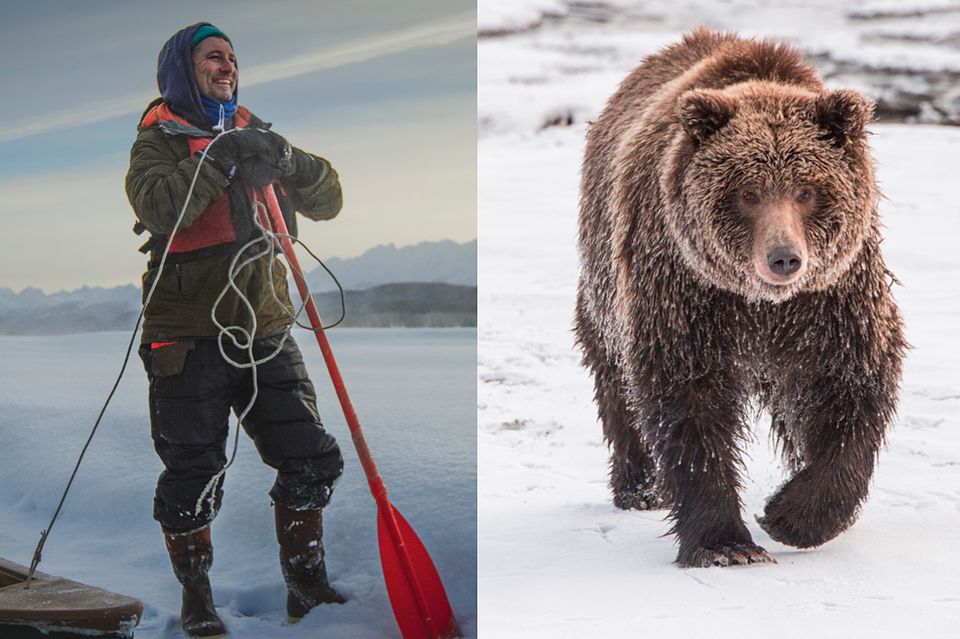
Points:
(556, 558)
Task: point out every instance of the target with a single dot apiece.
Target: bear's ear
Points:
(843, 115)
(703, 112)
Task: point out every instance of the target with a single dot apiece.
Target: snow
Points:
(556, 558)
(414, 391)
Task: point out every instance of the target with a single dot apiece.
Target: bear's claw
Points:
(735, 554)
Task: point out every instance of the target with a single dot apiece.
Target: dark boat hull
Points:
(57, 608)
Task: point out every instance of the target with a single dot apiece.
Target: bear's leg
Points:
(633, 479)
(696, 430)
(632, 469)
(840, 424)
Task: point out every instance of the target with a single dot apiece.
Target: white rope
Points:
(268, 236)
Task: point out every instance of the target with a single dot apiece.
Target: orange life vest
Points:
(216, 226)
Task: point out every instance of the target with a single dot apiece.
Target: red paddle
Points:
(416, 593)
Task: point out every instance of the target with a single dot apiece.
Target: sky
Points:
(384, 90)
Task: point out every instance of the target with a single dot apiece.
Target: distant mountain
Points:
(87, 309)
(69, 317)
(30, 299)
(429, 284)
(446, 261)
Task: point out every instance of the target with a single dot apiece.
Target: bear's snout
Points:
(784, 261)
(780, 246)
(782, 264)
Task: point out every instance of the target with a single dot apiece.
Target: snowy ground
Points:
(415, 394)
(556, 558)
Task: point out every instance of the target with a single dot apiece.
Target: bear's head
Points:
(769, 188)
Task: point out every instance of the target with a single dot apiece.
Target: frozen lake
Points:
(415, 394)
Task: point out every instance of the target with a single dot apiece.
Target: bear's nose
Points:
(784, 260)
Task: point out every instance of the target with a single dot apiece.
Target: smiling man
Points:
(215, 68)
(221, 302)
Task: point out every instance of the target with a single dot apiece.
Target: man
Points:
(192, 386)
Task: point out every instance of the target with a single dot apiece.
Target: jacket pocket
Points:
(168, 358)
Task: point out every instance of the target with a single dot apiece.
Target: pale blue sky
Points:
(385, 90)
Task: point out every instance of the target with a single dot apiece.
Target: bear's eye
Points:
(750, 197)
(805, 195)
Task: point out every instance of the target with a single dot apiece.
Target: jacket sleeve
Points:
(315, 187)
(157, 183)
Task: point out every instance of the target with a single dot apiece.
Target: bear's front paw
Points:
(732, 554)
(788, 529)
(638, 499)
(800, 517)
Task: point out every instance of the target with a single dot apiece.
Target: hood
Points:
(176, 81)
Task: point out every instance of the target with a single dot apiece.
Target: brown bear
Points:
(730, 262)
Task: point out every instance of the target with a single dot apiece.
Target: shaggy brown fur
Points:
(729, 242)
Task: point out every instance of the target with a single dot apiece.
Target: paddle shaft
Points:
(377, 487)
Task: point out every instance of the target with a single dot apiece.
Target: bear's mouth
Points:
(776, 293)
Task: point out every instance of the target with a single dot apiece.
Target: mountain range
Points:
(446, 262)
(438, 288)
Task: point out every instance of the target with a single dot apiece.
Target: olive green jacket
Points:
(161, 169)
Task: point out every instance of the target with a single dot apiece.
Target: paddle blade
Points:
(429, 617)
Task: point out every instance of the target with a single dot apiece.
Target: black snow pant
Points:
(192, 390)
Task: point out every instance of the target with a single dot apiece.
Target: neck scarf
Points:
(212, 109)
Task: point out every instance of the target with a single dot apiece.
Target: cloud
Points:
(403, 184)
(430, 34)
(78, 115)
(425, 35)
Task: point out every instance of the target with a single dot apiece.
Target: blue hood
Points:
(178, 86)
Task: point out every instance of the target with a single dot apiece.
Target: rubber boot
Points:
(300, 535)
(192, 555)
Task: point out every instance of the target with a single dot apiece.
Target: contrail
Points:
(421, 36)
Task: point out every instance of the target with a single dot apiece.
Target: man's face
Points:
(215, 68)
